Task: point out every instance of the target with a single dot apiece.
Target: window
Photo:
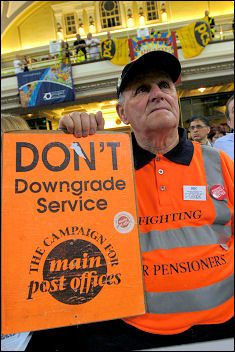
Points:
(151, 10)
(110, 14)
(70, 24)
(38, 124)
(211, 106)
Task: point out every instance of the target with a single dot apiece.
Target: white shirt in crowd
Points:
(94, 48)
(17, 66)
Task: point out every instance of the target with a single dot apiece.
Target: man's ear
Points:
(229, 123)
(121, 113)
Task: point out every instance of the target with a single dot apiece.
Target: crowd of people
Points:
(84, 50)
(21, 64)
(187, 260)
(81, 49)
(218, 136)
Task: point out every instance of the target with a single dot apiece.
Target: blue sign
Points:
(46, 86)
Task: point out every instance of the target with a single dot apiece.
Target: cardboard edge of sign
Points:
(65, 131)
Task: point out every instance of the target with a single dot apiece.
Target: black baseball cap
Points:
(162, 60)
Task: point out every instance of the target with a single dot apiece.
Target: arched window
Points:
(110, 14)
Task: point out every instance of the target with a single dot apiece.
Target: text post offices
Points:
(70, 244)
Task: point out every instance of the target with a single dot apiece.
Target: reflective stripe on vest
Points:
(214, 176)
(187, 236)
(184, 237)
(190, 300)
(218, 233)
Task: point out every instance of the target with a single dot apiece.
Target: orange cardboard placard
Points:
(70, 245)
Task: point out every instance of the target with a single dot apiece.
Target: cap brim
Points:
(161, 60)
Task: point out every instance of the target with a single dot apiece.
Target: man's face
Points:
(78, 36)
(150, 103)
(199, 131)
(231, 114)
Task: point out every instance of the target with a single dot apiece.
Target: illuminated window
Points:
(70, 24)
(152, 11)
(110, 14)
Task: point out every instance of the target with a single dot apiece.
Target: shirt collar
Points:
(209, 143)
(182, 153)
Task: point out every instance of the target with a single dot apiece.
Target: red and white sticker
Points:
(218, 192)
(123, 222)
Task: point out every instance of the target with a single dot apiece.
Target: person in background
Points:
(26, 63)
(18, 64)
(217, 135)
(184, 194)
(94, 47)
(154, 32)
(199, 128)
(109, 36)
(19, 341)
(64, 55)
(80, 48)
(13, 123)
(211, 22)
(226, 143)
(216, 132)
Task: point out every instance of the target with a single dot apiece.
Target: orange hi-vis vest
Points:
(186, 240)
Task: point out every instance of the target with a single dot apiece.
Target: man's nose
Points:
(155, 92)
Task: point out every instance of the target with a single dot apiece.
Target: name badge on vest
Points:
(195, 193)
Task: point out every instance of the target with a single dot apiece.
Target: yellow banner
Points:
(194, 37)
(117, 50)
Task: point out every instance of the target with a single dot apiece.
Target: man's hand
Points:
(82, 124)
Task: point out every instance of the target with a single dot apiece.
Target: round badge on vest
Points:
(218, 192)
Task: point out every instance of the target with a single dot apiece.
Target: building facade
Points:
(28, 27)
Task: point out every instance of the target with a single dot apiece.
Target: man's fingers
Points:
(66, 123)
(93, 124)
(100, 121)
(76, 119)
(82, 124)
(85, 123)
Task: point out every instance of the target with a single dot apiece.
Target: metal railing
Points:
(223, 33)
(42, 61)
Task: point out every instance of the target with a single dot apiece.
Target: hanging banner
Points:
(162, 41)
(116, 50)
(70, 244)
(165, 41)
(194, 37)
(46, 86)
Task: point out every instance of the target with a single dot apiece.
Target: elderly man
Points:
(226, 143)
(185, 209)
(94, 47)
(199, 128)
